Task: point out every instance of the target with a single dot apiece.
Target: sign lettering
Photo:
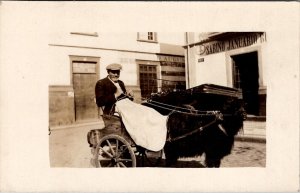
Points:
(222, 46)
(171, 59)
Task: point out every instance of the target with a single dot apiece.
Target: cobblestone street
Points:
(246, 154)
(69, 148)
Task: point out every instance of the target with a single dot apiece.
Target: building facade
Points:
(151, 62)
(233, 59)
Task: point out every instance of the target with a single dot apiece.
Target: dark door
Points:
(84, 80)
(245, 77)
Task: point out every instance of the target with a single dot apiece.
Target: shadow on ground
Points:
(151, 162)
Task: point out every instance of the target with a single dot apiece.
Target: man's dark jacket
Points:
(104, 91)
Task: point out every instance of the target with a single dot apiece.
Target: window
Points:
(172, 73)
(148, 80)
(147, 37)
(150, 36)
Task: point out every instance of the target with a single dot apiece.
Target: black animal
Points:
(210, 129)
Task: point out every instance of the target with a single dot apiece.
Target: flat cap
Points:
(114, 66)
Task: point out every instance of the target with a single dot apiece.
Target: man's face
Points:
(114, 75)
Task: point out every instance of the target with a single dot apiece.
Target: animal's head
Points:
(234, 115)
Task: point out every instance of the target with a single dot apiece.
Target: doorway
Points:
(84, 77)
(246, 77)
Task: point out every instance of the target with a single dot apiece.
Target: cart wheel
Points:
(114, 151)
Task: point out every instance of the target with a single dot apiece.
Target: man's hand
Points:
(130, 93)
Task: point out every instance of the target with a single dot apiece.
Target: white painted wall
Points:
(37, 27)
(177, 38)
(212, 70)
(265, 61)
(59, 63)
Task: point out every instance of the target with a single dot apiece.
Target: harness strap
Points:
(200, 129)
(195, 112)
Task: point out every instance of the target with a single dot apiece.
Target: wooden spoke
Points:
(111, 148)
(125, 148)
(104, 159)
(107, 153)
(126, 160)
(123, 151)
(120, 163)
(117, 148)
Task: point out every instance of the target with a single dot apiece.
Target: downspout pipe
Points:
(187, 66)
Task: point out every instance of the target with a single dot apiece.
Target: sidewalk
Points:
(253, 130)
(68, 146)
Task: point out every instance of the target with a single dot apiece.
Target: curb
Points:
(254, 139)
(93, 125)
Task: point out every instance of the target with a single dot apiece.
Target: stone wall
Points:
(61, 105)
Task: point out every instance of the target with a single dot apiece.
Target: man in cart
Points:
(148, 131)
(108, 90)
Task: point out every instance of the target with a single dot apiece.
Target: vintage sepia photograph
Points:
(151, 99)
(149, 96)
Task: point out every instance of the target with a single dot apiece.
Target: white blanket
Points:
(145, 126)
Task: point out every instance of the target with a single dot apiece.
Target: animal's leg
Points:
(171, 162)
(212, 162)
(217, 163)
(171, 155)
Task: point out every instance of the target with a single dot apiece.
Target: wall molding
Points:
(99, 48)
(60, 88)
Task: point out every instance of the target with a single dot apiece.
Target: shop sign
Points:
(222, 46)
(171, 59)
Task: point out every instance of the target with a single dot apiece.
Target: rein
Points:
(193, 112)
(173, 108)
(218, 115)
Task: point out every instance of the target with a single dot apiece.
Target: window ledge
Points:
(95, 34)
(149, 41)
